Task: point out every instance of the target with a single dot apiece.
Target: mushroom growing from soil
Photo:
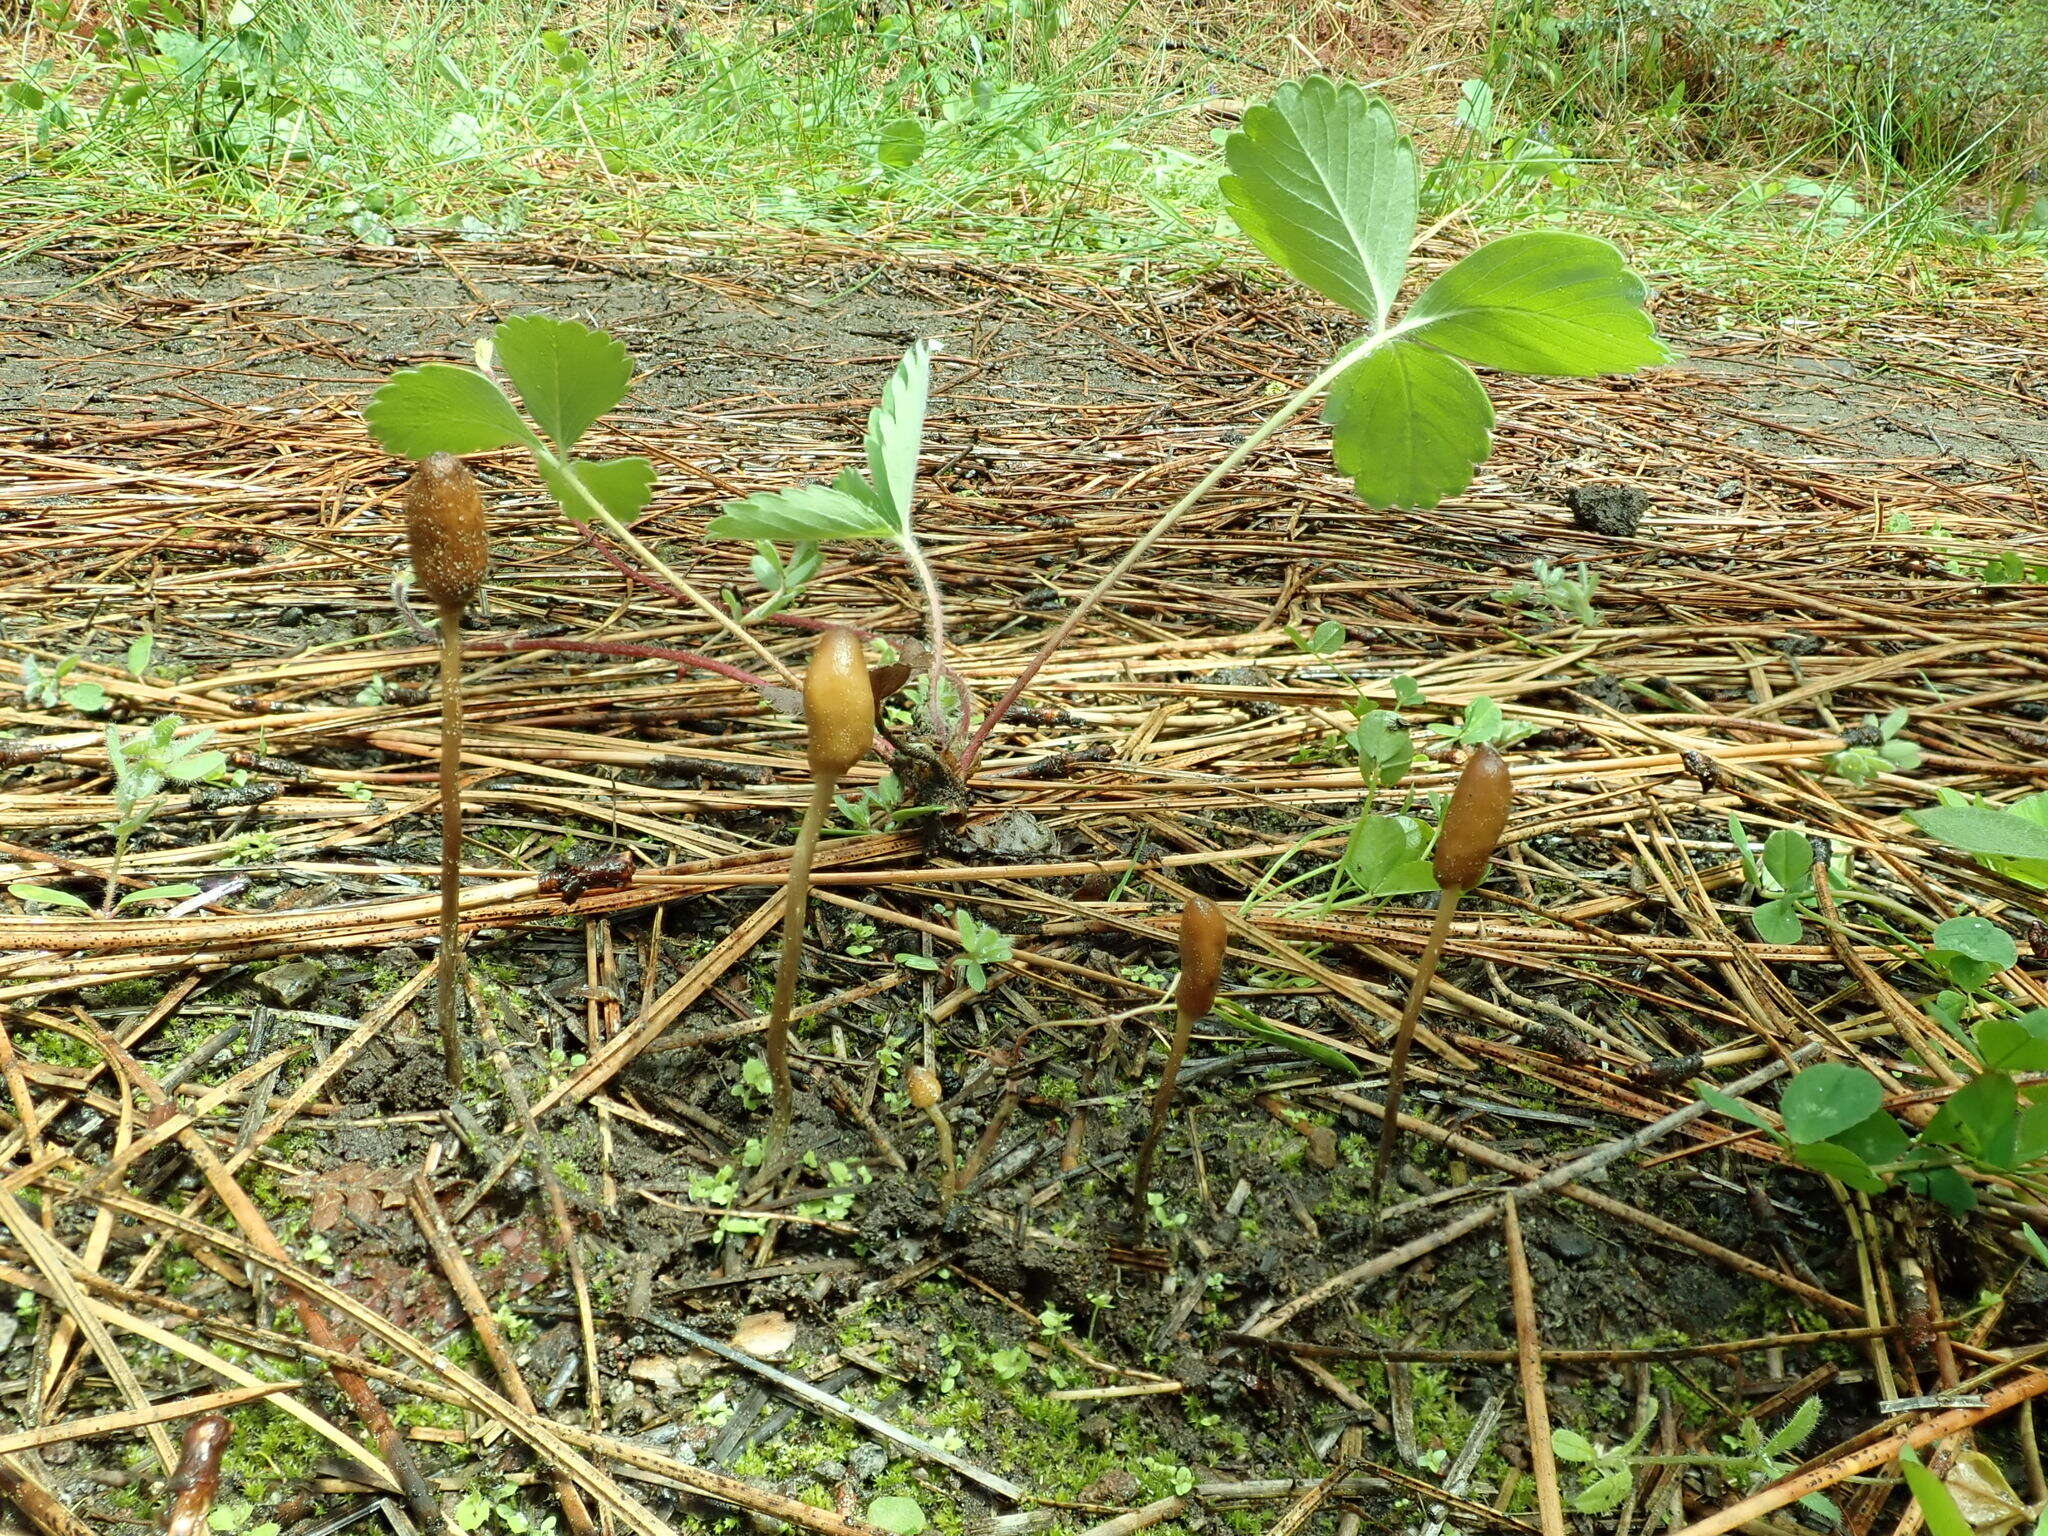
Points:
(1473, 823)
(444, 531)
(1202, 938)
(839, 720)
(922, 1084)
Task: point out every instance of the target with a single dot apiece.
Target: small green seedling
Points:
(1483, 724)
(444, 531)
(1889, 751)
(49, 896)
(1203, 937)
(1323, 182)
(1751, 1459)
(1472, 825)
(1783, 878)
(47, 690)
(1969, 951)
(783, 580)
(1831, 1119)
(143, 763)
(1558, 589)
(1326, 639)
(981, 946)
(1382, 746)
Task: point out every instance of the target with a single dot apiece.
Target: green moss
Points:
(132, 992)
(58, 1050)
(270, 1451)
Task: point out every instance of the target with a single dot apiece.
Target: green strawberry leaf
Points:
(1408, 425)
(1322, 181)
(806, 512)
(1542, 301)
(567, 374)
(439, 408)
(621, 486)
(896, 433)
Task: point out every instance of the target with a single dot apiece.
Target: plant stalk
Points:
(935, 708)
(1159, 529)
(653, 562)
(448, 963)
(1404, 1032)
(1162, 1106)
(799, 903)
(949, 1163)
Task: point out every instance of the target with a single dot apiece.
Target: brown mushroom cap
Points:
(839, 704)
(1473, 821)
(444, 531)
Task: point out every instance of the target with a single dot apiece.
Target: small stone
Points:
(867, 1461)
(1015, 837)
(1414, 1180)
(1119, 1485)
(657, 1371)
(1249, 677)
(765, 1335)
(1615, 510)
(290, 984)
(1322, 1146)
(292, 617)
(1569, 1242)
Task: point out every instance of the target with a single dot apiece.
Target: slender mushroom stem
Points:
(1473, 822)
(1203, 934)
(839, 723)
(797, 907)
(1404, 1032)
(1162, 1106)
(448, 963)
(925, 1093)
(444, 531)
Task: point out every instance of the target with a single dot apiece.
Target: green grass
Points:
(1777, 178)
(987, 122)
(1935, 93)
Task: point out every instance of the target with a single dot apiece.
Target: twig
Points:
(433, 1225)
(797, 1387)
(1549, 1183)
(1529, 1364)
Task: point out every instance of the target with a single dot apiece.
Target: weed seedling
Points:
(444, 532)
(143, 764)
(1202, 938)
(839, 718)
(923, 1088)
(1473, 823)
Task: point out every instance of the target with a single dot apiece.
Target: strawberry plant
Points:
(1832, 1120)
(2011, 840)
(1322, 182)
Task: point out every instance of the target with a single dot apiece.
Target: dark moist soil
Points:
(958, 1324)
